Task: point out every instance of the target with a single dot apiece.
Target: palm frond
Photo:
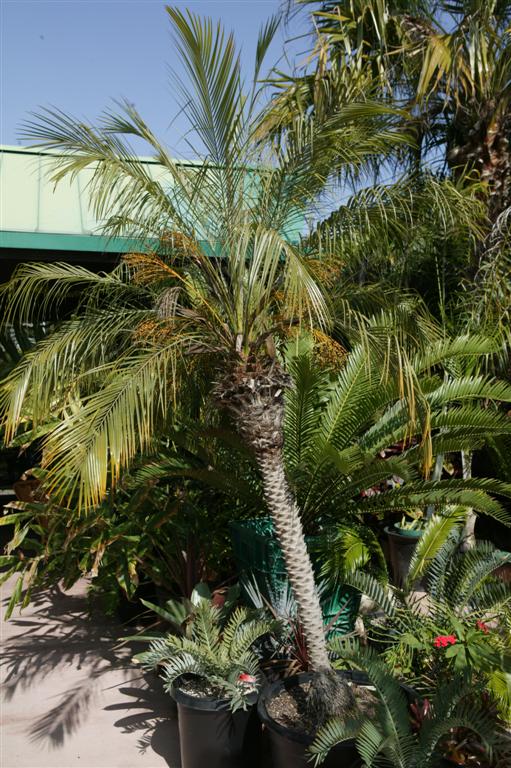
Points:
(332, 733)
(438, 529)
(91, 446)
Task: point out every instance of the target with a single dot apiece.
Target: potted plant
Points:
(426, 733)
(215, 285)
(284, 710)
(213, 674)
(459, 626)
(402, 538)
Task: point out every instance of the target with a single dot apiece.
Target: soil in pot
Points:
(289, 707)
(210, 735)
(282, 709)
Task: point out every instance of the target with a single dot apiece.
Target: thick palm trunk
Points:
(289, 532)
(484, 146)
(254, 394)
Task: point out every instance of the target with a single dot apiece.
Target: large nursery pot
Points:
(288, 746)
(402, 543)
(259, 558)
(211, 736)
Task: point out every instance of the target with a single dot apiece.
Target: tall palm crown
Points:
(450, 61)
(215, 284)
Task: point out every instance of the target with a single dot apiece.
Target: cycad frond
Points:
(303, 407)
(332, 733)
(383, 596)
(438, 529)
(217, 648)
(473, 493)
(246, 636)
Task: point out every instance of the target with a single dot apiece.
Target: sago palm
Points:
(353, 431)
(416, 736)
(464, 598)
(217, 282)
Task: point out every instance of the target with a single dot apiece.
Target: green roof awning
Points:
(37, 215)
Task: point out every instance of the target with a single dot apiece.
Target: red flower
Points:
(244, 678)
(482, 626)
(442, 641)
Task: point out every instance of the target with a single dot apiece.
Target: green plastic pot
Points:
(259, 558)
(409, 533)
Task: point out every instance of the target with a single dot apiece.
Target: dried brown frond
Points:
(167, 303)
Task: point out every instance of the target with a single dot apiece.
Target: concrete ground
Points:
(70, 697)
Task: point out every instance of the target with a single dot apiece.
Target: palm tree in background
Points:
(215, 286)
(448, 61)
(449, 64)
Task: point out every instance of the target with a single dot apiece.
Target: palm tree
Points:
(449, 64)
(449, 60)
(216, 283)
(463, 88)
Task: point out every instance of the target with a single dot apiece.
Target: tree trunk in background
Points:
(468, 540)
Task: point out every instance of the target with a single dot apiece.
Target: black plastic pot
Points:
(211, 736)
(289, 747)
(402, 545)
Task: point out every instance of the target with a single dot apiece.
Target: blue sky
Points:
(79, 54)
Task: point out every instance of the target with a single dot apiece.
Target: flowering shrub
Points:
(442, 641)
(434, 651)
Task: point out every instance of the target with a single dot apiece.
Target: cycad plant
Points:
(350, 433)
(215, 650)
(404, 734)
(459, 625)
(216, 282)
(357, 441)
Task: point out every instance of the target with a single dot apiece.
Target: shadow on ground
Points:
(63, 673)
(158, 726)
